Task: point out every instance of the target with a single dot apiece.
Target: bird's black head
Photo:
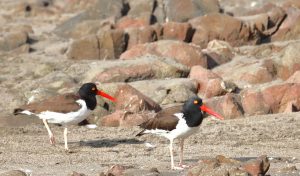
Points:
(88, 92)
(193, 110)
(88, 89)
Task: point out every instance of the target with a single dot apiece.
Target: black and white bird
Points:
(178, 122)
(66, 109)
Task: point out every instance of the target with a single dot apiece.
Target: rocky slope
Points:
(242, 57)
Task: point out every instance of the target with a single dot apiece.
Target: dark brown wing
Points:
(61, 103)
(164, 119)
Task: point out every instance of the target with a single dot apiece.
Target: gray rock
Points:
(101, 10)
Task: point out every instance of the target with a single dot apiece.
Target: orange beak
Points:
(211, 112)
(105, 95)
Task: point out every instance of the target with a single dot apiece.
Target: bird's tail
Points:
(140, 133)
(17, 111)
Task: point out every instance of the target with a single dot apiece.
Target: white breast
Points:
(70, 118)
(182, 130)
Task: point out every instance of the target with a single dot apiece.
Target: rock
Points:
(139, 8)
(116, 170)
(84, 48)
(288, 61)
(106, 45)
(130, 22)
(295, 78)
(159, 13)
(209, 83)
(13, 40)
(76, 174)
(218, 166)
(134, 101)
(218, 52)
(289, 170)
(273, 95)
(229, 105)
(177, 10)
(145, 67)
(140, 36)
(219, 26)
(253, 103)
(183, 53)
(227, 166)
(291, 98)
(256, 167)
(244, 72)
(124, 119)
(259, 24)
(139, 14)
(163, 90)
(256, 75)
(178, 94)
(139, 172)
(111, 44)
(291, 3)
(57, 48)
(177, 31)
(290, 28)
(101, 10)
(13, 173)
(21, 50)
(90, 27)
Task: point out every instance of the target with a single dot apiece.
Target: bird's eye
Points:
(93, 89)
(195, 102)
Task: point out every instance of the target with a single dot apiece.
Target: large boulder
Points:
(290, 27)
(209, 83)
(84, 48)
(183, 53)
(246, 71)
(106, 45)
(221, 27)
(101, 10)
(177, 31)
(253, 103)
(167, 91)
(140, 36)
(145, 67)
(124, 119)
(182, 11)
(230, 167)
(218, 52)
(288, 61)
(12, 40)
(131, 100)
(229, 105)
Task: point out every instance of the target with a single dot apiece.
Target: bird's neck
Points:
(90, 101)
(193, 118)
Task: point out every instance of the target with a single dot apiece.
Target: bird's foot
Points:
(184, 166)
(52, 140)
(177, 168)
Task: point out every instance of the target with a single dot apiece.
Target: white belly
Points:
(70, 118)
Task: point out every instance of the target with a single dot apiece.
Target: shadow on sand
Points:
(109, 142)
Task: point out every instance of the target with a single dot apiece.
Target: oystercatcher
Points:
(66, 109)
(173, 123)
